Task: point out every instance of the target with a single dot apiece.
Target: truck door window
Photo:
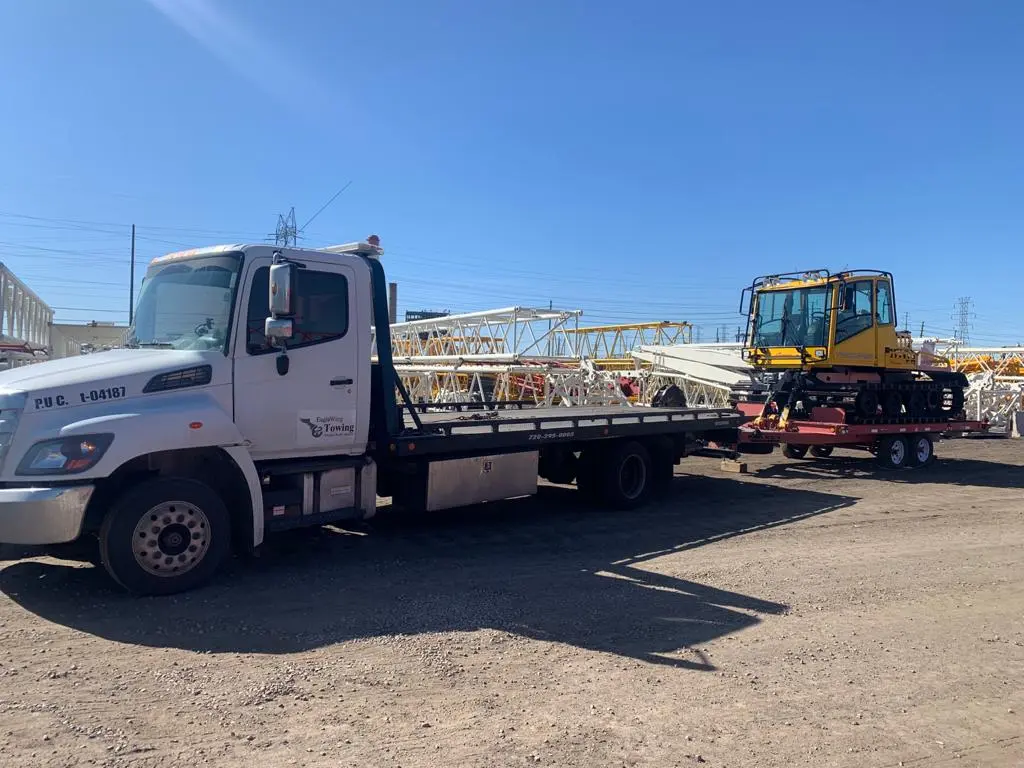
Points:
(884, 303)
(855, 313)
(321, 309)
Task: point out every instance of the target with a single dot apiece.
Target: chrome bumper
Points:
(42, 515)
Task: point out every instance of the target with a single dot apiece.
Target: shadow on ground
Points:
(861, 466)
(544, 568)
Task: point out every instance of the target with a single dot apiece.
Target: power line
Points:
(324, 206)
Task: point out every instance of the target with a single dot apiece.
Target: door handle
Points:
(340, 382)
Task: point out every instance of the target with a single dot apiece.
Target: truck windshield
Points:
(186, 304)
(796, 318)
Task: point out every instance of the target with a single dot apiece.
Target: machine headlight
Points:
(64, 456)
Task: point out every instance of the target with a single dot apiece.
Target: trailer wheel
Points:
(791, 451)
(626, 475)
(821, 451)
(894, 452)
(922, 450)
(165, 535)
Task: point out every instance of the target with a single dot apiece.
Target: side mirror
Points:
(278, 330)
(282, 280)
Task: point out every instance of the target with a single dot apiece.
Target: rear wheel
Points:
(165, 535)
(625, 475)
(821, 451)
(791, 451)
(893, 452)
(922, 450)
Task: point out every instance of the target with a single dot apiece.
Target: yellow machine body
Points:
(817, 322)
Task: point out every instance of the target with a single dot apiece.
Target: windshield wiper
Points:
(782, 329)
(155, 344)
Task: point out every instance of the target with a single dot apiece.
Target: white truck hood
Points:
(97, 367)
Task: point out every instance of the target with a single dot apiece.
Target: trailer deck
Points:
(896, 445)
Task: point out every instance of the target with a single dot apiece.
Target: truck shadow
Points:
(544, 568)
(944, 471)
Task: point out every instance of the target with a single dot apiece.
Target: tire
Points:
(183, 525)
(922, 450)
(893, 452)
(626, 473)
(821, 451)
(791, 451)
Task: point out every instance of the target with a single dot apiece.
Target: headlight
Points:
(65, 456)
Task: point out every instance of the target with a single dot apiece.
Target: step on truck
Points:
(249, 399)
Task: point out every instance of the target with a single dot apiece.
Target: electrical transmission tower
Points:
(963, 315)
(287, 233)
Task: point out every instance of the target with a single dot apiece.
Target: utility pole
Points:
(906, 320)
(131, 283)
(922, 330)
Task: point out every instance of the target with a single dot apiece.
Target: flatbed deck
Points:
(518, 428)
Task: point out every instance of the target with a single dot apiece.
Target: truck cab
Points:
(200, 392)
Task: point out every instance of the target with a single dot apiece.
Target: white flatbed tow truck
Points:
(248, 401)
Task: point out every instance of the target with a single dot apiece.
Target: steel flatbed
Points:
(518, 428)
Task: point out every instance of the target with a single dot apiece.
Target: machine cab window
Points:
(883, 303)
(855, 309)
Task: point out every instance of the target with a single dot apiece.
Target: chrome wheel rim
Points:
(171, 538)
(924, 451)
(898, 453)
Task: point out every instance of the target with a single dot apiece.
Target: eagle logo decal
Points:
(314, 429)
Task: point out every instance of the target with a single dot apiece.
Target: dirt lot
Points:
(804, 614)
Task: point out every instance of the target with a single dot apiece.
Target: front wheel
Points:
(894, 453)
(165, 535)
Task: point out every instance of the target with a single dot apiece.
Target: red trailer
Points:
(901, 445)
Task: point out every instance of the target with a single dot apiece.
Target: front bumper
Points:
(43, 515)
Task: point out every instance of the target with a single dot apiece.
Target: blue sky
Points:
(641, 161)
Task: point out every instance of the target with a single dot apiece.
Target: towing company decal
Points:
(316, 427)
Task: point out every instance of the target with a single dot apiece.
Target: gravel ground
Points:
(808, 613)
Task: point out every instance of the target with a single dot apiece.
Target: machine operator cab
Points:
(816, 320)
